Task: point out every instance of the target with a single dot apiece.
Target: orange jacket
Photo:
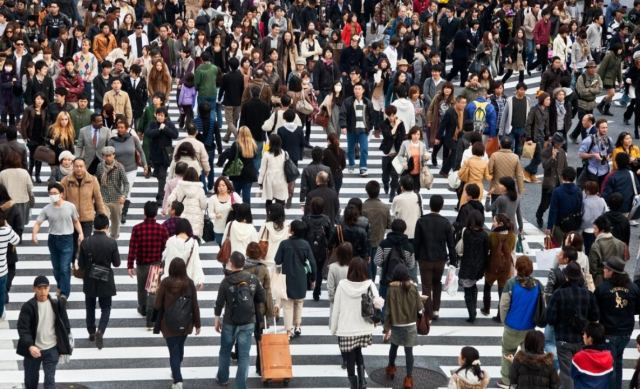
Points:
(102, 46)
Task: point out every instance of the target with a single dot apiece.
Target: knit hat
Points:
(65, 154)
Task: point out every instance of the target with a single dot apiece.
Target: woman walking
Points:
(299, 266)
(159, 79)
(183, 245)
(272, 179)
(502, 242)
(593, 206)
(176, 290)
(470, 373)
(274, 231)
(220, 205)
(354, 331)
(531, 366)
(241, 230)
(610, 72)
(508, 202)
(514, 53)
(415, 155)
(335, 157)
(403, 305)
(245, 149)
(474, 170)
(442, 101)
(189, 192)
(16, 222)
(33, 128)
(61, 137)
(393, 138)
(474, 259)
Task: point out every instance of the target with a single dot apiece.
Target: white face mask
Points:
(54, 198)
(8, 69)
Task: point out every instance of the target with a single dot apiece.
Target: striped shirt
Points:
(7, 236)
(359, 108)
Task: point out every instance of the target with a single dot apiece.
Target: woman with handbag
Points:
(473, 251)
(335, 157)
(96, 257)
(184, 245)
(220, 205)
(240, 167)
(402, 307)
(330, 107)
(271, 178)
(442, 101)
(414, 155)
(299, 267)
(176, 290)
(240, 231)
(189, 192)
(33, 128)
(348, 320)
(272, 233)
(61, 137)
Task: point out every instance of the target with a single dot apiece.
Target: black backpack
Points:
(395, 258)
(242, 308)
(317, 238)
(179, 316)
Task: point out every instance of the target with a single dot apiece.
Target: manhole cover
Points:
(422, 378)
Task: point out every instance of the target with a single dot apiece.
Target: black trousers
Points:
(448, 154)
(545, 201)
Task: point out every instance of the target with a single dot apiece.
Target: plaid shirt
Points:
(116, 185)
(147, 242)
(567, 302)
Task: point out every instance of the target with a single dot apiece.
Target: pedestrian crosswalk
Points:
(135, 357)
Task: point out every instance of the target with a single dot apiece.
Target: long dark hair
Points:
(275, 144)
(469, 356)
(507, 225)
(401, 274)
(178, 269)
(276, 216)
(510, 185)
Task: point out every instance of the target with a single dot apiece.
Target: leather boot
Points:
(390, 372)
(361, 379)
(353, 382)
(125, 210)
(471, 304)
(607, 108)
(486, 300)
(600, 106)
(408, 382)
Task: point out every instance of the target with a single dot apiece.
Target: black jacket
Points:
(533, 371)
(308, 178)
(552, 79)
(475, 256)
(161, 140)
(357, 236)
(331, 202)
(617, 317)
(465, 212)
(351, 58)
(28, 325)
(433, 239)
(569, 310)
(253, 114)
(389, 140)
(225, 297)
(348, 115)
(292, 141)
(100, 87)
(249, 172)
(138, 97)
(324, 76)
(620, 227)
(34, 86)
(448, 125)
(101, 250)
(231, 88)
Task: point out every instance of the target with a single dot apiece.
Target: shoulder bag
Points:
(333, 255)
(208, 234)
(98, 272)
(225, 249)
(291, 171)
(369, 312)
(264, 244)
(45, 154)
(234, 168)
(153, 278)
(426, 178)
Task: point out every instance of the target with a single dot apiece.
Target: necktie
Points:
(135, 83)
(95, 137)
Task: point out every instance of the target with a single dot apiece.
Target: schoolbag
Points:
(480, 116)
(179, 315)
(395, 258)
(242, 307)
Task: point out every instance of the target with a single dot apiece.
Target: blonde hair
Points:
(248, 146)
(64, 135)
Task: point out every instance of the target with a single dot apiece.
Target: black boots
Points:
(607, 107)
(125, 210)
(486, 300)
(471, 301)
(604, 108)
(361, 379)
(353, 382)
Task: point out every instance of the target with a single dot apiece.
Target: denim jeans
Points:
(218, 238)
(208, 180)
(362, 139)
(243, 188)
(566, 351)
(176, 353)
(617, 344)
(105, 313)
(240, 335)
(61, 249)
(517, 137)
(3, 293)
(49, 361)
(550, 344)
(212, 104)
(530, 50)
(258, 159)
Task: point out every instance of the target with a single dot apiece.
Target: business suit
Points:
(137, 96)
(86, 150)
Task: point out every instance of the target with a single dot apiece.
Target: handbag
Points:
(528, 150)
(138, 159)
(279, 286)
(426, 178)
(454, 180)
(45, 154)
(99, 273)
(77, 272)
(451, 282)
(540, 314)
(153, 278)
(368, 311)
(398, 163)
(291, 171)
(492, 145)
(423, 323)
(225, 249)
(322, 118)
(264, 244)
(333, 255)
(208, 234)
(460, 244)
(635, 204)
(234, 168)
(303, 106)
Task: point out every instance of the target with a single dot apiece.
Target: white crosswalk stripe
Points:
(133, 354)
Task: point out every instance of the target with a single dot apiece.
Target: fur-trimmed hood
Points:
(534, 360)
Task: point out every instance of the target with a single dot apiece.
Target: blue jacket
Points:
(591, 367)
(620, 181)
(565, 200)
(491, 116)
(522, 306)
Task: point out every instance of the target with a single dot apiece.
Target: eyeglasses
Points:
(19, 44)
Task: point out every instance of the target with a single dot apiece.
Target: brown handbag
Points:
(45, 154)
(225, 249)
(333, 256)
(423, 324)
(264, 244)
(77, 272)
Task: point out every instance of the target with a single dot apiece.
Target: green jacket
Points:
(206, 78)
(80, 118)
(401, 307)
(609, 69)
(148, 116)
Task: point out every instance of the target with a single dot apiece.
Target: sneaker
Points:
(363, 173)
(177, 385)
(351, 170)
(297, 332)
(502, 385)
(633, 223)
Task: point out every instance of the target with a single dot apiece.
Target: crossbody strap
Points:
(193, 246)
(633, 181)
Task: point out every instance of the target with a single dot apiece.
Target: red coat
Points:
(542, 32)
(346, 33)
(74, 86)
(420, 6)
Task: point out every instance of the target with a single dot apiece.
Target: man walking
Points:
(97, 254)
(114, 187)
(356, 120)
(238, 323)
(147, 243)
(161, 134)
(91, 140)
(205, 79)
(554, 161)
(232, 88)
(43, 330)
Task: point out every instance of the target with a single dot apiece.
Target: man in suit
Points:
(136, 87)
(101, 84)
(93, 138)
(138, 40)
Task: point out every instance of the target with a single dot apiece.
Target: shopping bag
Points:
(546, 259)
(451, 282)
(454, 180)
(528, 150)
(398, 164)
(279, 286)
(153, 278)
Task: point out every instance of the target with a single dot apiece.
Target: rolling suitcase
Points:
(275, 357)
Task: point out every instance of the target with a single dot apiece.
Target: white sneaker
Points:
(633, 223)
(351, 170)
(177, 386)
(4, 315)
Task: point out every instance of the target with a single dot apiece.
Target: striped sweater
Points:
(7, 236)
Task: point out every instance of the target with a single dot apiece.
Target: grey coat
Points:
(537, 127)
(587, 88)
(86, 150)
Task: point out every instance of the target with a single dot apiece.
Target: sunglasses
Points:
(20, 44)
